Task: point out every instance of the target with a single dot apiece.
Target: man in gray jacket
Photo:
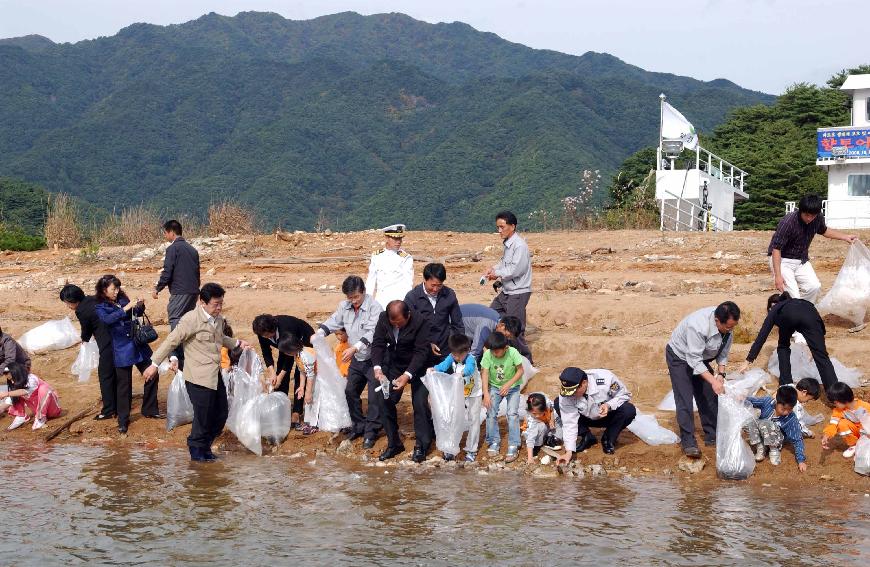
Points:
(596, 398)
(358, 316)
(514, 272)
(181, 274)
(699, 339)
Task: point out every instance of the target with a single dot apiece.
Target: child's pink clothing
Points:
(41, 399)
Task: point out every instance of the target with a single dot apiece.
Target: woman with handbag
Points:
(130, 347)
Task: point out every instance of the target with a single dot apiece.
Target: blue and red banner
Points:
(846, 143)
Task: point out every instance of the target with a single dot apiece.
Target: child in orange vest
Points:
(846, 417)
(342, 346)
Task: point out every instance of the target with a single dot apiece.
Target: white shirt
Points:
(391, 276)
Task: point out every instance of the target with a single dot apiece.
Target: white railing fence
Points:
(679, 214)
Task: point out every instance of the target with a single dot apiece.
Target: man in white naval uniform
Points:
(391, 271)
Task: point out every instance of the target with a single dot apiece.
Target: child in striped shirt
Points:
(776, 424)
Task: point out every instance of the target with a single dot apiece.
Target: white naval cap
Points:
(395, 230)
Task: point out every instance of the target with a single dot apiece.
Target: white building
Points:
(845, 152)
(696, 194)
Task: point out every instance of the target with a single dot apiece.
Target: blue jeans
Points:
(493, 435)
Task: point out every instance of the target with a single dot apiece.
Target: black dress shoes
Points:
(607, 446)
(692, 452)
(419, 455)
(391, 452)
(122, 429)
(585, 442)
(368, 443)
(354, 435)
(155, 416)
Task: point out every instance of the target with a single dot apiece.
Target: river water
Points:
(72, 505)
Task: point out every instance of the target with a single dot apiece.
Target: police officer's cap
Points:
(571, 378)
(395, 230)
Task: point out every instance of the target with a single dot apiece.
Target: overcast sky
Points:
(760, 44)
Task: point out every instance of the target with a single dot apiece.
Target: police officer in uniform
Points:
(594, 399)
(391, 271)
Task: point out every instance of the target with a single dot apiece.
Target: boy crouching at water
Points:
(776, 424)
(461, 361)
(807, 389)
(846, 417)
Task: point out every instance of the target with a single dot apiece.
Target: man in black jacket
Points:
(400, 352)
(91, 326)
(793, 316)
(437, 304)
(181, 274)
(270, 329)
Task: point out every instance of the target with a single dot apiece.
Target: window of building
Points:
(859, 185)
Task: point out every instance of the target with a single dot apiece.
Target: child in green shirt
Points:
(501, 373)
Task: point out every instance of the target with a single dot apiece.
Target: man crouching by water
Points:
(201, 333)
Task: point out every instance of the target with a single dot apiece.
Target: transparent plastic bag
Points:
(87, 361)
(647, 428)
(747, 384)
(447, 398)
(529, 372)
(53, 335)
(849, 297)
(734, 458)
(179, 409)
(862, 456)
(274, 412)
(243, 392)
(668, 403)
(332, 413)
(803, 366)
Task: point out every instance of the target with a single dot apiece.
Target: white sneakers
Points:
(759, 453)
(850, 452)
(775, 456)
(17, 422)
(38, 424)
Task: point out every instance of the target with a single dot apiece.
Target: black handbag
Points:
(143, 331)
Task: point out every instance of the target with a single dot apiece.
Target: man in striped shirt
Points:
(790, 245)
(777, 423)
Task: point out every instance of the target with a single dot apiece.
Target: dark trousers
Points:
(688, 385)
(424, 430)
(108, 381)
(179, 305)
(810, 325)
(513, 306)
(613, 423)
(359, 375)
(285, 363)
(124, 392)
(210, 412)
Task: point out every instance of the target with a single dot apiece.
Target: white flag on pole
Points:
(676, 127)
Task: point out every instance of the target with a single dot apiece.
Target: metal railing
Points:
(713, 165)
(678, 214)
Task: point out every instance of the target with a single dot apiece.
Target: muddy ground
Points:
(601, 299)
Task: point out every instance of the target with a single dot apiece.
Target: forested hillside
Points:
(369, 119)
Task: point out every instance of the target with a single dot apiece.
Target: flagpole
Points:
(661, 120)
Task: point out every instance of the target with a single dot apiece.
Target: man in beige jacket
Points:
(201, 332)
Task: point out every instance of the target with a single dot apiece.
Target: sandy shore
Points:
(601, 299)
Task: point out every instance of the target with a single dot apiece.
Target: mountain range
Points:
(359, 120)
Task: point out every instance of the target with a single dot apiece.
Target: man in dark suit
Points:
(181, 275)
(269, 329)
(437, 304)
(91, 326)
(400, 352)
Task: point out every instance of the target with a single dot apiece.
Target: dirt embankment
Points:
(601, 299)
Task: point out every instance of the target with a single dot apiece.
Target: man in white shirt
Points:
(514, 272)
(701, 338)
(391, 270)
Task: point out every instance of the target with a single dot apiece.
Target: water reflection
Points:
(120, 504)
